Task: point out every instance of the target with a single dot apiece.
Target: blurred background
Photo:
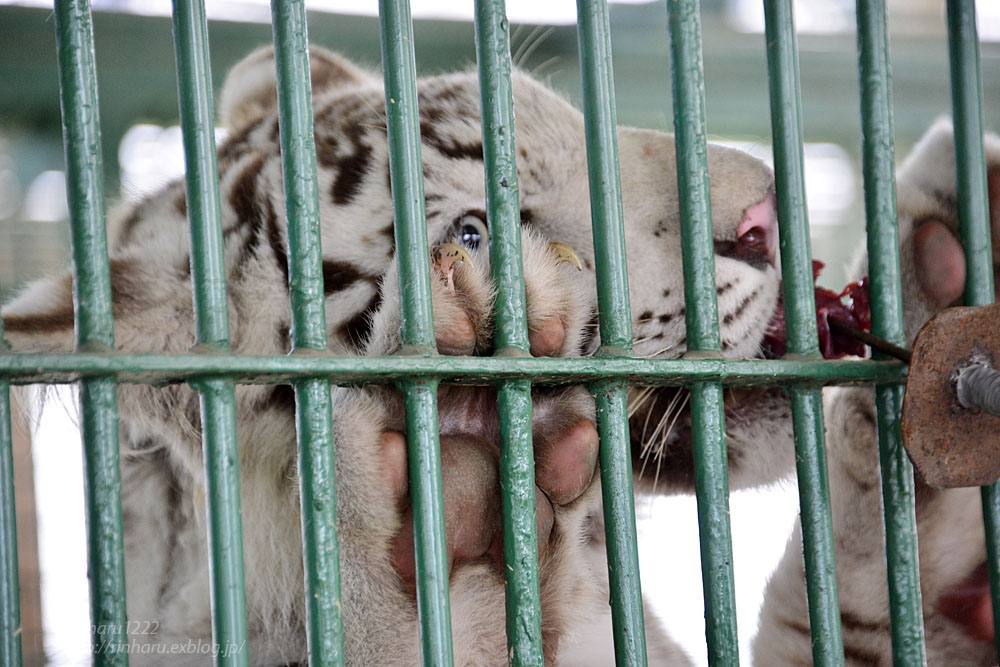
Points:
(142, 150)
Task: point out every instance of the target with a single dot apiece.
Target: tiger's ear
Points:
(250, 91)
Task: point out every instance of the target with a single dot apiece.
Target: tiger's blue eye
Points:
(471, 232)
(470, 237)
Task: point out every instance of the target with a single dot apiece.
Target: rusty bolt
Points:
(951, 371)
(977, 385)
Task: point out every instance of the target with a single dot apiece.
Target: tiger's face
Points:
(555, 203)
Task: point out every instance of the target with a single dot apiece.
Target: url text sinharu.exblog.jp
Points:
(190, 647)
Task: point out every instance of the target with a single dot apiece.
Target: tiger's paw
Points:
(462, 294)
(564, 438)
(565, 446)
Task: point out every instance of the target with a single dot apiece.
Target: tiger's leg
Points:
(955, 596)
(565, 444)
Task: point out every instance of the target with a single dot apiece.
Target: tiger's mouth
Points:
(660, 417)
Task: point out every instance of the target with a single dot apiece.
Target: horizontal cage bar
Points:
(169, 368)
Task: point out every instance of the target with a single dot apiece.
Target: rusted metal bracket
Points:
(951, 410)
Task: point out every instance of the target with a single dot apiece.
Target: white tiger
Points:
(163, 486)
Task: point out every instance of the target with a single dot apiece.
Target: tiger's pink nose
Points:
(757, 235)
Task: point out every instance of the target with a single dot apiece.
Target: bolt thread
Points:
(978, 387)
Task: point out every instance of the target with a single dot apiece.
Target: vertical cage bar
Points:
(406, 174)
(628, 624)
(973, 213)
(417, 330)
(517, 461)
(520, 540)
(10, 590)
(803, 339)
(702, 322)
(786, 128)
(94, 328)
(605, 183)
(218, 406)
(817, 526)
(313, 411)
(601, 127)
(967, 106)
(431, 558)
(902, 560)
(502, 190)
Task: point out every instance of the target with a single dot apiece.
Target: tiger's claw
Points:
(444, 258)
(565, 254)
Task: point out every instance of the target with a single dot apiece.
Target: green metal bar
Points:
(10, 589)
(605, 183)
(10, 595)
(218, 408)
(168, 368)
(714, 534)
(313, 411)
(430, 554)
(967, 105)
(406, 173)
(520, 539)
(786, 128)
(702, 315)
(879, 172)
(817, 526)
(222, 491)
(416, 331)
(194, 83)
(905, 616)
(94, 328)
(502, 191)
(611, 400)
(903, 566)
(615, 322)
(973, 213)
(517, 460)
(701, 320)
(803, 339)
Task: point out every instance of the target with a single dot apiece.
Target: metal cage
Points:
(213, 371)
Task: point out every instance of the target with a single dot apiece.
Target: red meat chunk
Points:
(850, 307)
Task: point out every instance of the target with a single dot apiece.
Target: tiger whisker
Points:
(639, 399)
(666, 435)
(673, 413)
(656, 353)
(643, 453)
(537, 70)
(530, 45)
(663, 419)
